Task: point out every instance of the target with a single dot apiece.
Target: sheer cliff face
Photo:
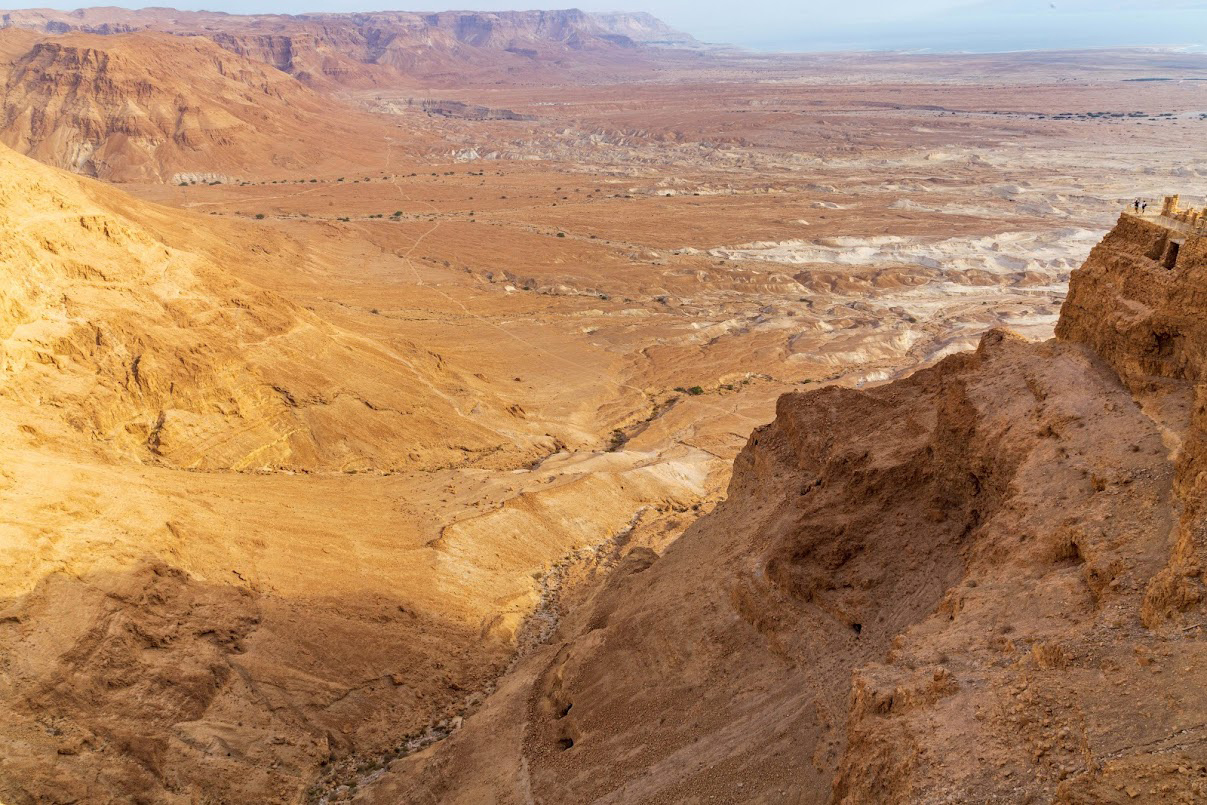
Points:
(962, 586)
(86, 103)
(1140, 302)
(368, 49)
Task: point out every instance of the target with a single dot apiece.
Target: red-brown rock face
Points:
(149, 106)
(1140, 302)
(980, 583)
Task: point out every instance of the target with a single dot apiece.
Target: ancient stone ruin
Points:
(1178, 236)
(1194, 220)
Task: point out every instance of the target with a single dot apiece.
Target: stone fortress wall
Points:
(1174, 238)
(1193, 220)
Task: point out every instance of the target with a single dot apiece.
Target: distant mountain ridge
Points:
(111, 107)
(365, 49)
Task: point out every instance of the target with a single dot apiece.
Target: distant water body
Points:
(997, 33)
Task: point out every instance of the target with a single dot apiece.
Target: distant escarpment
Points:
(148, 106)
(371, 48)
(979, 583)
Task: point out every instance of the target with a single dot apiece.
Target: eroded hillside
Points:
(240, 541)
(962, 585)
(379, 48)
(89, 104)
(109, 324)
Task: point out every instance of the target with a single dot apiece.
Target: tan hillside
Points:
(173, 629)
(954, 587)
(150, 106)
(112, 311)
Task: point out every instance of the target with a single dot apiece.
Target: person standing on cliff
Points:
(1136, 204)
(1144, 208)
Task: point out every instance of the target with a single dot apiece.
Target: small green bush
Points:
(618, 440)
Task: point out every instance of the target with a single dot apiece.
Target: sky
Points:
(945, 25)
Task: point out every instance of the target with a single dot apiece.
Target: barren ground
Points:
(620, 287)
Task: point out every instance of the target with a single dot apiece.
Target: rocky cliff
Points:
(1140, 302)
(147, 106)
(372, 48)
(644, 28)
(979, 583)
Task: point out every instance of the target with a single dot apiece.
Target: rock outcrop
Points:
(979, 583)
(1140, 302)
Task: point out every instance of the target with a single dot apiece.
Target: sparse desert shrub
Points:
(561, 234)
(695, 391)
(259, 216)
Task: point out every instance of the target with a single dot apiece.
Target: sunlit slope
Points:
(153, 352)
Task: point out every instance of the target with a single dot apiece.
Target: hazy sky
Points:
(833, 24)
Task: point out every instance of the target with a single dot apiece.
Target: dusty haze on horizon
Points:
(945, 25)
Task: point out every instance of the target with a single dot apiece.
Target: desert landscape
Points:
(549, 407)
